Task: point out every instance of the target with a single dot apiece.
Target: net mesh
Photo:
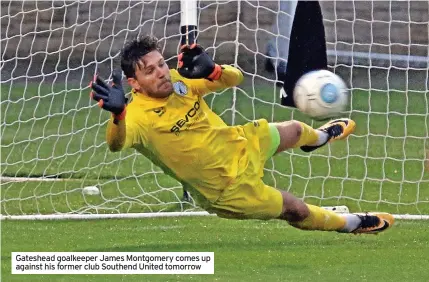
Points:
(52, 131)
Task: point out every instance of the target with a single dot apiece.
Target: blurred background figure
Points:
(277, 48)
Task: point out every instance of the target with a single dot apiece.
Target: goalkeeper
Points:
(169, 122)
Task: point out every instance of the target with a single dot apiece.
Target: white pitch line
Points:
(42, 179)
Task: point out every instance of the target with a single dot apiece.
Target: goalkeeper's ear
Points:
(307, 47)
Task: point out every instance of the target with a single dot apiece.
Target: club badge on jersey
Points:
(180, 88)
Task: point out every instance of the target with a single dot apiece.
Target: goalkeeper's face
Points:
(152, 76)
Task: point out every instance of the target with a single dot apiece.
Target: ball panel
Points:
(329, 93)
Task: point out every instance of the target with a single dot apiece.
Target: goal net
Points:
(53, 136)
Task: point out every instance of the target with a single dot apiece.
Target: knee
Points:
(300, 213)
(289, 128)
(296, 212)
(297, 128)
(290, 133)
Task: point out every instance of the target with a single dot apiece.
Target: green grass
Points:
(49, 130)
(243, 250)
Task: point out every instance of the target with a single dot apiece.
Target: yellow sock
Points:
(308, 136)
(321, 219)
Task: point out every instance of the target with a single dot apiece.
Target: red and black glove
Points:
(194, 62)
(110, 98)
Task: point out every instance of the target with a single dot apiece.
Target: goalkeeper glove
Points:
(194, 62)
(110, 98)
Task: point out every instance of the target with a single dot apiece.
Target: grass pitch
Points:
(243, 250)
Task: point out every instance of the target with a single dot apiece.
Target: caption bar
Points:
(113, 263)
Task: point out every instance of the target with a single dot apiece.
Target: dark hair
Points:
(134, 51)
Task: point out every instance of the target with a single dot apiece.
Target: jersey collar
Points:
(144, 97)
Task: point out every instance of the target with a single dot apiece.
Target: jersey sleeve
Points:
(230, 77)
(131, 136)
(135, 133)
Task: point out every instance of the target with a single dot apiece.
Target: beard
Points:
(163, 90)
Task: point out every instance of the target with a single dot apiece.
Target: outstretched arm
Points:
(229, 77)
(112, 99)
(205, 75)
(116, 134)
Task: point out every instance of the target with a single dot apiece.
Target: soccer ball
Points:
(321, 94)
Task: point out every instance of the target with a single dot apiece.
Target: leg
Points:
(294, 209)
(249, 198)
(309, 217)
(293, 134)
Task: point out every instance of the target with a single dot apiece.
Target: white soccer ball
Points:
(321, 94)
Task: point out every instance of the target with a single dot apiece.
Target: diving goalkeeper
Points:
(169, 122)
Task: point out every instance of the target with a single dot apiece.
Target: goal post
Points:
(188, 21)
(53, 136)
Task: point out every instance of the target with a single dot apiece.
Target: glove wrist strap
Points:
(217, 72)
(121, 116)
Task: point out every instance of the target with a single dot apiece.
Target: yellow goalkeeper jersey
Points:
(184, 137)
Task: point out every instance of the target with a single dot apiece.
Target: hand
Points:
(110, 98)
(194, 62)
